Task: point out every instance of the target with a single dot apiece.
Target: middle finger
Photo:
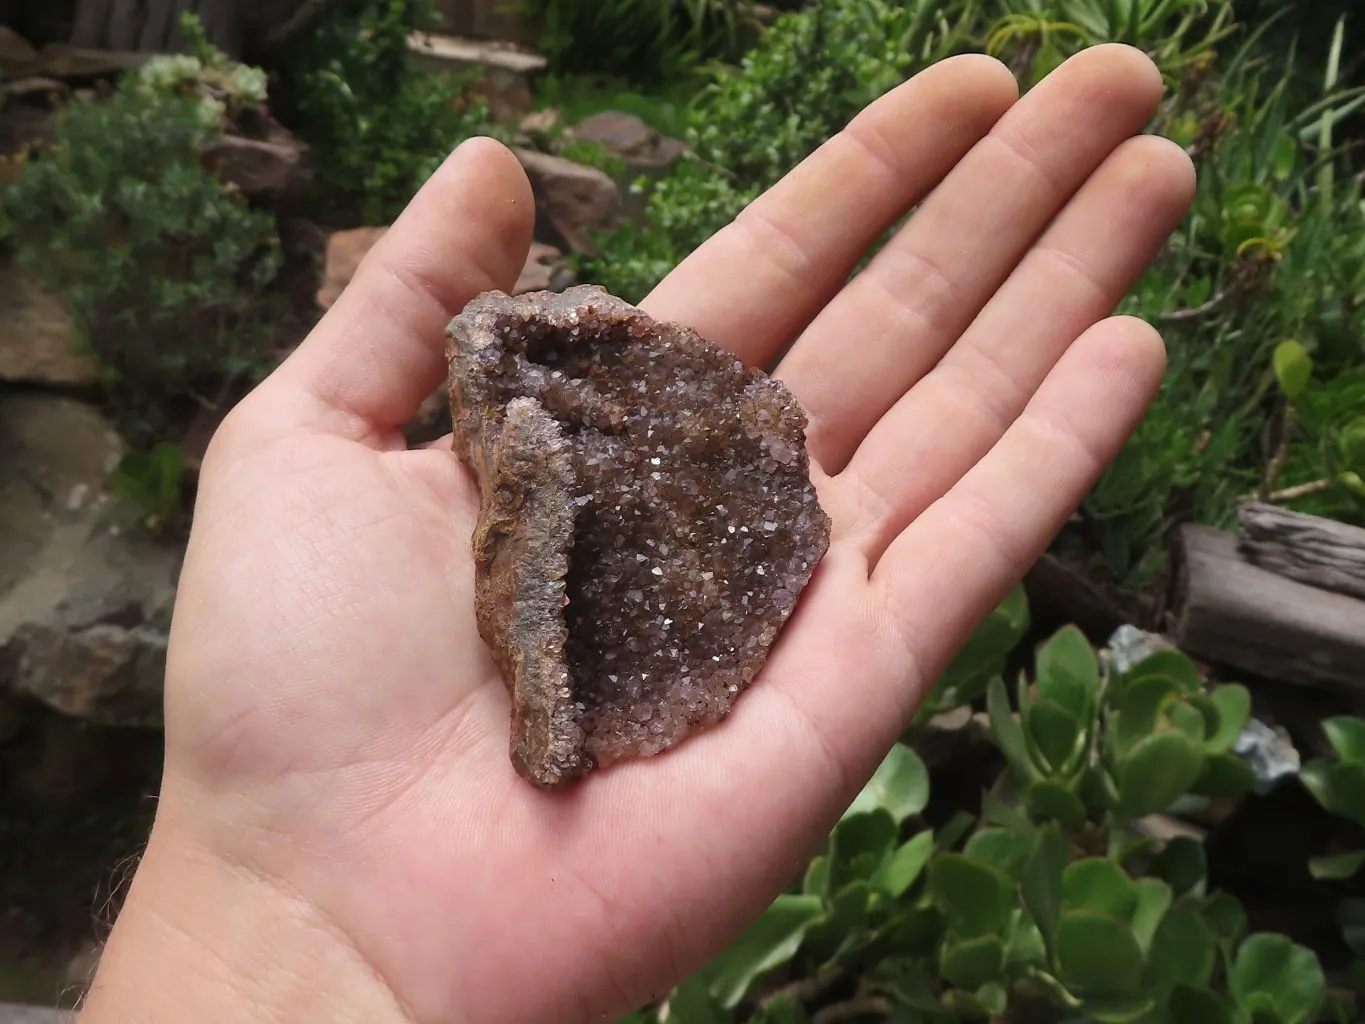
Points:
(897, 318)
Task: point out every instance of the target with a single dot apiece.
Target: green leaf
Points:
(1154, 897)
(1233, 703)
(983, 656)
(1098, 884)
(1274, 975)
(1293, 368)
(1182, 951)
(1055, 732)
(1042, 880)
(859, 846)
(1189, 1005)
(1224, 775)
(1339, 787)
(1119, 1009)
(900, 786)
(1171, 665)
(1096, 953)
(974, 898)
(1069, 673)
(1187, 719)
(905, 865)
(1225, 916)
(816, 881)
(1182, 864)
(1157, 771)
(972, 963)
(1007, 732)
(1055, 800)
(1347, 737)
(994, 997)
(1351, 917)
(780, 1008)
(692, 1003)
(769, 942)
(1139, 709)
(1336, 867)
(1000, 848)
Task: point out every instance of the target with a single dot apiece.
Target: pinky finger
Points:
(953, 564)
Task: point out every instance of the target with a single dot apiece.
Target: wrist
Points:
(205, 940)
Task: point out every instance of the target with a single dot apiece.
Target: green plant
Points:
(1054, 904)
(165, 269)
(650, 42)
(376, 124)
(152, 486)
(1339, 786)
(810, 73)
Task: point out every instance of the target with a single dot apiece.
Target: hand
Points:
(341, 835)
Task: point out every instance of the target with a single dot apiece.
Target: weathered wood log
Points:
(1320, 552)
(1235, 613)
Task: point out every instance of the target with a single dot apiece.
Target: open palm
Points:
(335, 725)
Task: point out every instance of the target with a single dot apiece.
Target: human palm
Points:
(334, 723)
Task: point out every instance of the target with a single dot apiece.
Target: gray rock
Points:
(84, 605)
(630, 138)
(576, 201)
(14, 1013)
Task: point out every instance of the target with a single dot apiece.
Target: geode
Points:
(647, 521)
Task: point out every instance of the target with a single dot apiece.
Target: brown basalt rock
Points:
(647, 524)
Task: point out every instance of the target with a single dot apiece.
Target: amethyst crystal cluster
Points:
(647, 521)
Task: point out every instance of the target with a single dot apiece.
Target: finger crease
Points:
(778, 245)
(916, 287)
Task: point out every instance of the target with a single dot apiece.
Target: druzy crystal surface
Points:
(646, 527)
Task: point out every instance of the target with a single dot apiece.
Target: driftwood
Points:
(1320, 552)
(1231, 611)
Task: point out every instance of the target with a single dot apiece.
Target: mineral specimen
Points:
(647, 521)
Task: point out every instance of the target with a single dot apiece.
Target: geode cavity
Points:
(646, 527)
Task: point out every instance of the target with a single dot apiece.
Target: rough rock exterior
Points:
(647, 524)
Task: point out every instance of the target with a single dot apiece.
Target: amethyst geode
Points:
(646, 527)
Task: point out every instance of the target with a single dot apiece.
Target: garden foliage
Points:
(164, 268)
(1056, 902)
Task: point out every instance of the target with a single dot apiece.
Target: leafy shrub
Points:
(812, 71)
(1054, 904)
(649, 42)
(377, 126)
(164, 268)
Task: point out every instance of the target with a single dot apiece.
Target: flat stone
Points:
(647, 525)
(573, 200)
(37, 342)
(262, 169)
(84, 604)
(630, 138)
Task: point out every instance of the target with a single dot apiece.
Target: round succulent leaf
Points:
(1068, 672)
(1190, 1005)
(1339, 787)
(905, 865)
(1182, 951)
(768, 943)
(1008, 733)
(1188, 720)
(1226, 918)
(974, 898)
(1336, 867)
(1139, 709)
(1172, 665)
(1000, 847)
(1233, 704)
(899, 786)
(859, 846)
(1041, 884)
(994, 997)
(1224, 775)
(1346, 734)
(1272, 973)
(971, 963)
(1181, 863)
(1156, 771)
(983, 656)
(1293, 368)
(1095, 883)
(1055, 733)
(1096, 953)
(1055, 800)
(1154, 898)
